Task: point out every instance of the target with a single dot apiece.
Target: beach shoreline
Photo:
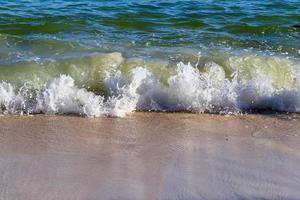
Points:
(150, 156)
(149, 100)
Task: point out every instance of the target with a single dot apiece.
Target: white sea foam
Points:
(62, 96)
(187, 90)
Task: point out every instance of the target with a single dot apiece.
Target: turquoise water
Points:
(89, 43)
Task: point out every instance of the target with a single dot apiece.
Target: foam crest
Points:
(189, 89)
(62, 96)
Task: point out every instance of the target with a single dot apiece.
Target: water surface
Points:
(86, 40)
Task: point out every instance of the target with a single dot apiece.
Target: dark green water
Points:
(40, 29)
(242, 54)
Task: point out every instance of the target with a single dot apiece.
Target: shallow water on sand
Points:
(150, 156)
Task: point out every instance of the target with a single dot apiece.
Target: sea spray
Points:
(189, 89)
(60, 95)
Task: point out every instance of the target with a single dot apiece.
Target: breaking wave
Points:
(243, 84)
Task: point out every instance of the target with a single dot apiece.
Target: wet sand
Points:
(150, 156)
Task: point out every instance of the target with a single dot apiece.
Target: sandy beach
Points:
(150, 156)
(147, 100)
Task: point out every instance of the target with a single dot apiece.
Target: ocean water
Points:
(110, 58)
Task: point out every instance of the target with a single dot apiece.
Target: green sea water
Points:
(248, 49)
(55, 29)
